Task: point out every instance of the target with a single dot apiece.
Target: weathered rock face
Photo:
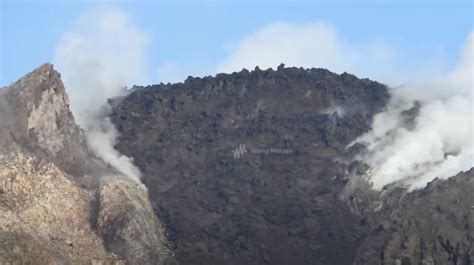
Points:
(57, 201)
(128, 225)
(44, 217)
(251, 168)
(36, 119)
(430, 226)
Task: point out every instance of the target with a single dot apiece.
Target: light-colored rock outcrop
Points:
(45, 217)
(59, 204)
(128, 225)
(36, 119)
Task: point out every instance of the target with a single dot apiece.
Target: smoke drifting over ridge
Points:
(101, 54)
(410, 143)
(438, 142)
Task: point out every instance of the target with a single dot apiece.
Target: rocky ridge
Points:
(58, 203)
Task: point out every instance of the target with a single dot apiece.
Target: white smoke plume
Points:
(101, 54)
(439, 142)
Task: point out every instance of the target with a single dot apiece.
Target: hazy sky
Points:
(197, 37)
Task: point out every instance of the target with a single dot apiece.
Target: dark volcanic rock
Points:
(252, 168)
(434, 225)
(277, 203)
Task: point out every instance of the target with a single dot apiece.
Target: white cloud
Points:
(309, 45)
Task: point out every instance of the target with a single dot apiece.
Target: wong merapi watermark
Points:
(244, 149)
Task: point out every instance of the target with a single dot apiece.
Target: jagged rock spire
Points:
(36, 117)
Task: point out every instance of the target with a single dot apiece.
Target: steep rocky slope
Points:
(36, 118)
(242, 168)
(44, 217)
(251, 168)
(430, 226)
(58, 203)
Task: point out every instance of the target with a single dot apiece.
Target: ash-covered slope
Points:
(58, 203)
(251, 168)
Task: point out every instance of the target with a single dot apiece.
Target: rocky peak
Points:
(49, 120)
(42, 79)
(36, 119)
(55, 204)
